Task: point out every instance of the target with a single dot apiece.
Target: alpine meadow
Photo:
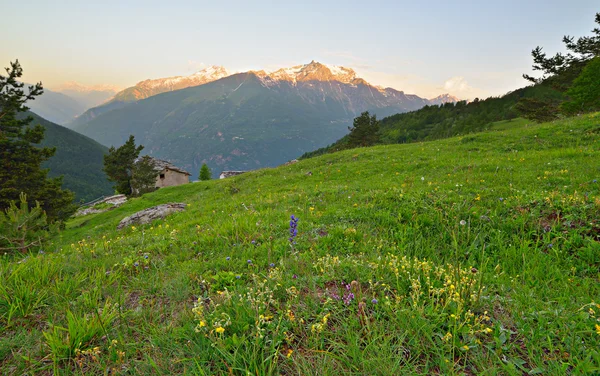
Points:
(300, 219)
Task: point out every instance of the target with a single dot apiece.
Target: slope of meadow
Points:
(470, 255)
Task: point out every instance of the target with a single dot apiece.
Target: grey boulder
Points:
(148, 215)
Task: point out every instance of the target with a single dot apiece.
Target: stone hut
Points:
(228, 174)
(168, 175)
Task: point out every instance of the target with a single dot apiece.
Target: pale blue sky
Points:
(468, 48)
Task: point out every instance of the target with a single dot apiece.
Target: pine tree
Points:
(585, 91)
(205, 173)
(143, 179)
(538, 110)
(119, 163)
(22, 227)
(365, 131)
(20, 158)
(561, 69)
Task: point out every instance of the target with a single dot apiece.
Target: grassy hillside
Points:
(469, 255)
(448, 120)
(78, 158)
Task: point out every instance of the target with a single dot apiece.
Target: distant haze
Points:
(464, 48)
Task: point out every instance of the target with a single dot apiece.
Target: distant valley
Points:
(63, 104)
(242, 121)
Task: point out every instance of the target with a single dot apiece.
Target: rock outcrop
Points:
(98, 207)
(148, 215)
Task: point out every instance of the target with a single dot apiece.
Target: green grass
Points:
(470, 255)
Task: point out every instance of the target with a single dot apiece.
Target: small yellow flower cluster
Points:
(319, 326)
(81, 357)
(327, 264)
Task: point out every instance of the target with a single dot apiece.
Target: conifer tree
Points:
(143, 179)
(24, 226)
(585, 91)
(560, 72)
(365, 131)
(20, 158)
(562, 68)
(204, 172)
(119, 163)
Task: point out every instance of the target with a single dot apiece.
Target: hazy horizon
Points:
(467, 49)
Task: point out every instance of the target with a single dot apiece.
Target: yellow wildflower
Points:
(220, 330)
(291, 315)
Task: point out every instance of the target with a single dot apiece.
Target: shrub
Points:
(22, 228)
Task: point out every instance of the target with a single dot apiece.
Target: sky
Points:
(465, 48)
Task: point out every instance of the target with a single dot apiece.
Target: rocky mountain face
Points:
(149, 88)
(444, 98)
(322, 82)
(246, 120)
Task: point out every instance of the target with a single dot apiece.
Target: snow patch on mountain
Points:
(313, 71)
(206, 75)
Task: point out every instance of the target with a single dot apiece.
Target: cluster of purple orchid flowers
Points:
(293, 228)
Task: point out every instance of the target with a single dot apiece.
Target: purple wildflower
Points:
(227, 258)
(272, 265)
(374, 301)
(348, 298)
(293, 228)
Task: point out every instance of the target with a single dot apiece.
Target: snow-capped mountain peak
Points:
(214, 72)
(444, 98)
(313, 71)
(203, 76)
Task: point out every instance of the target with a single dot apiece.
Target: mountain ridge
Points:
(78, 158)
(148, 88)
(56, 107)
(303, 73)
(248, 120)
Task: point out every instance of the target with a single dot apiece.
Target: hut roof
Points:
(161, 165)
